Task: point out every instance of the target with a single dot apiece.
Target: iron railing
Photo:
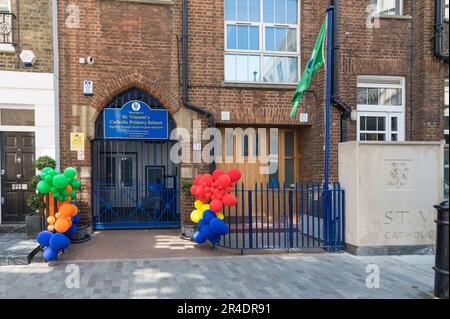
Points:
(7, 28)
(286, 218)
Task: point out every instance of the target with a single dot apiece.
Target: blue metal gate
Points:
(135, 184)
(286, 218)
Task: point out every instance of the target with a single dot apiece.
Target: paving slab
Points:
(16, 249)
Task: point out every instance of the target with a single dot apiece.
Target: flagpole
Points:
(326, 194)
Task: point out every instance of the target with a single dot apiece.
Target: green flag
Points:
(315, 63)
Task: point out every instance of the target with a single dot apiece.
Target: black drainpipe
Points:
(438, 49)
(345, 109)
(185, 94)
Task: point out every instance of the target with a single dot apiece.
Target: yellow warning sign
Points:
(77, 141)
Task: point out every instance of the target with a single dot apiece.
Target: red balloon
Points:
(216, 206)
(230, 200)
(193, 190)
(197, 180)
(207, 180)
(235, 174)
(224, 180)
(217, 173)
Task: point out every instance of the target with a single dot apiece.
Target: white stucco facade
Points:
(30, 90)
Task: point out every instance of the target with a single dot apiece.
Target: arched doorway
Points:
(135, 184)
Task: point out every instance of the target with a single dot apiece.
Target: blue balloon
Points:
(50, 254)
(201, 223)
(59, 241)
(208, 216)
(218, 226)
(206, 232)
(72, 230)
(215, 239)
(44, 238)
(76, 219)
(198, 238)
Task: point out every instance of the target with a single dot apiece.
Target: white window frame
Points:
(446, 8)
(262, 44)
(387, 111)
(8, 5)
(377, 11)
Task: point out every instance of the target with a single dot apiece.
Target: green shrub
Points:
(41, 163)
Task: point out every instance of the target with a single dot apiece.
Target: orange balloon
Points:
(58, 215)
(74, 211)
(62, 225)
(51, 228)
(65, 210)
(51, 220)
(69, 188)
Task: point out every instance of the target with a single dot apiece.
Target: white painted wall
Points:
(32, 90)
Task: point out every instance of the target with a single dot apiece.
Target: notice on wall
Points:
(77, 141)
(80, 155)
(136, 120)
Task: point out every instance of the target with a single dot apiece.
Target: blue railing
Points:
(286, 218)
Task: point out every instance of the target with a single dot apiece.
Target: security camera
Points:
(90, 60)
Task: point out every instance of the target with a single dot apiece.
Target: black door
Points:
(17, 151)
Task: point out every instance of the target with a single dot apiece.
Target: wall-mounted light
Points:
(28, 58)
(354, 115)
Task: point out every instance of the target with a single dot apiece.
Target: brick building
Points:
(234, 64)
(28, 99)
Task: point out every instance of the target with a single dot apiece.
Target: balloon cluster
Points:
(212, 193)
(63, 224)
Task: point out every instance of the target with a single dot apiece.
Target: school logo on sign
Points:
(136, 106)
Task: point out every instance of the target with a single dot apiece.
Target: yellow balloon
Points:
(195, 216)
(220, 216)
(198, 204)
(205, 207)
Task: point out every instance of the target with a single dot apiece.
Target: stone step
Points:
(16, 249)
(13, 228)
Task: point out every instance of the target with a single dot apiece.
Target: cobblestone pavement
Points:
(255, 276)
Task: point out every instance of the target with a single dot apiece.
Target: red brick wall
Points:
(139, 44)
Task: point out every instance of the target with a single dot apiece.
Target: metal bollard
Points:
(441, 264)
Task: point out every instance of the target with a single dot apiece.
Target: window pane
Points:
(292, 12)
(242, 37)
(231, 37)
(280, 11)
(230, 9)
(292, 70)
(229, 151)
(254, 38)
(269, 10)
(396, 96)
(253, 68)
(280, 69)
(292, 40)
(242, 10)
(394, 124)
(362, 123)
(289, 143)
(362, 96)
(241, 68)
(289, 172)
(372, 96)
(280, 39)
(268, 62)
(394, 137)
(245, 146)
(4, 5)
(270, 39)
(381, 124)
(390, 97)
(127, 171)
(254, 11)
(230, 67)
(363, 137)
(371, 123)
(381, 137)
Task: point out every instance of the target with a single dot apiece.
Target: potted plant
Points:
(188, 228)
(33, 221)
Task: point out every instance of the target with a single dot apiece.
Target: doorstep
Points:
(16, 249)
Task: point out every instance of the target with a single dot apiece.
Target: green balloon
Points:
(48, 179)
(76, 184)
(73, 194)
(45, 172)
(43, 187)
(65, 192)
(53, 190)
(70, 172)
(60, 181)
